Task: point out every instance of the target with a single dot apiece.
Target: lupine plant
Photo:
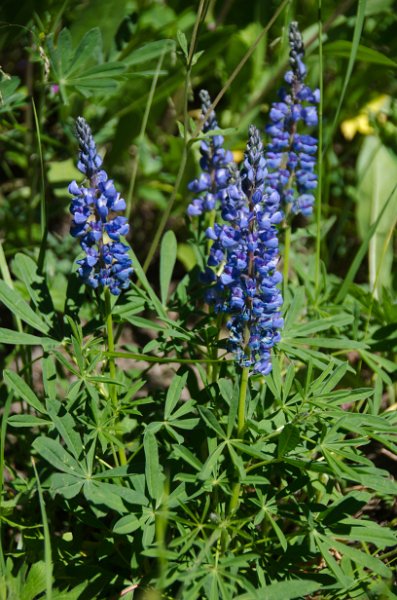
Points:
(203, 409)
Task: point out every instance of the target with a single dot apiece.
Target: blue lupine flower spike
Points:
(291, 156)
(94, 207)
(214, 164)
(245, 255)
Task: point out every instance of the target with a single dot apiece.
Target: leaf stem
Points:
(242, 401)
(47, 538)
(234, 500)
(142, 133)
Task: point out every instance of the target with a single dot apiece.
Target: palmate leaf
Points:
(69, 66)
(82, 69)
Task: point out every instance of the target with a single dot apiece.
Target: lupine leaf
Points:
(287, 590)
(174, 394)
(126, 525)
(27, 421)
(211, 420)
(17, 305)
(56, 455)
(89, 46)
(66, 484)
(372, 563)
(17, 385)
(211, 461)
(168, 251)
(288, 439)
(324, 545)
(365, 531)
(26, 270)
(154, 474)
(11, 98)
(66, 427)
(187, 456)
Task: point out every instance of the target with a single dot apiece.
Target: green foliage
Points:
(135, 473)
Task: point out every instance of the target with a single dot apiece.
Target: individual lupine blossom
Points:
(291, 156)
(245, 255)
(214, 164)
(94, 207)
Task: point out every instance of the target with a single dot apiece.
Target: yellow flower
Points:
(360, 123)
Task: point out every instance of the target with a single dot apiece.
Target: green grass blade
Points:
(362, 4)
(145, 119)
(147, 287)
(43, 205)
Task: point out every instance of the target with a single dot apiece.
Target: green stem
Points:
(242, 401)
(112, 365)
(287, 246)
(320, 158)
(234, 500)
(47, 538)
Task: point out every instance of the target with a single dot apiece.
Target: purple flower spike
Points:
(247, 246)
(291, 156)
(214, 162)
(95, 223)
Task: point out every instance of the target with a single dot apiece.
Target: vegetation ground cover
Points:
(198, 336)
